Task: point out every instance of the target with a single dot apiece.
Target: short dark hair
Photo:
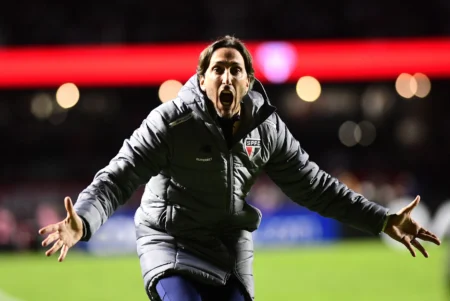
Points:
(226, 42)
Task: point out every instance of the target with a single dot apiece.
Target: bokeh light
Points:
(368, 133)
(406, 85)
(350, 133)
(423, 85)
(42, 106)
(67, 95)
(277, 60)
(377, 101)
(308, 88)
(410, 131)
(169, 90)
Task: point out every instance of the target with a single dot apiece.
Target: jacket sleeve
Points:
(306, 184)
(142, 156)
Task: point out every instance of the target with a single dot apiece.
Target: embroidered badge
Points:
(252, 146)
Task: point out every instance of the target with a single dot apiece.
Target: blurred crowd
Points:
(18, 232)
(27, 207)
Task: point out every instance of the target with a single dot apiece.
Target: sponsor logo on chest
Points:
(252, 146)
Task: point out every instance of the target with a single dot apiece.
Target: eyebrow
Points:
(226, 63)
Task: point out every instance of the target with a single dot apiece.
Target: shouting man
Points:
(199, 155)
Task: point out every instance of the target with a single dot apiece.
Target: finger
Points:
(428, 236)
(49, 229)
(51, 238)
(419, 247)
(63, 254)
(69, 206)
(55, 248)
(411, 205)
(408, 245)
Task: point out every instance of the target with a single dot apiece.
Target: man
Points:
(199, 155)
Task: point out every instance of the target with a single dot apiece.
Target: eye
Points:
(217, 69)
(236, 70)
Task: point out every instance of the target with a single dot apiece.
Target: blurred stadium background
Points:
(364, 86)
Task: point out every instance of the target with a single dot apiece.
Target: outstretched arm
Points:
(142, 156)
(306, 184)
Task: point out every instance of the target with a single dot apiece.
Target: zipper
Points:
(230, 181)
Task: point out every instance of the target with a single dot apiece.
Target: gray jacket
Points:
(193, 218)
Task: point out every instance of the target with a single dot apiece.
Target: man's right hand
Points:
(65, 234)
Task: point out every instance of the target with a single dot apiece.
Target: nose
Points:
(226, 77)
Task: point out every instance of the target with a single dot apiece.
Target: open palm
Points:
(404, 229)
(65, 234)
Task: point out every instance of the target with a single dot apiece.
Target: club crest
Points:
(252, 146)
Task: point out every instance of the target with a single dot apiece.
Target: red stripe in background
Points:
(141, 65)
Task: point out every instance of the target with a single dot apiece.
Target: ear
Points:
(202, 83)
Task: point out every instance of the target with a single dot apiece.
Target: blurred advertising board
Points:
(116, 236)
(293, 226)
(285, 227)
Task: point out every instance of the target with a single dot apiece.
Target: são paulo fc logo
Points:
(252, 146)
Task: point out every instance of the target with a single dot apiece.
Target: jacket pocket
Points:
(154, 218)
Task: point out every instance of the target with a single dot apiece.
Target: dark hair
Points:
(226, 42)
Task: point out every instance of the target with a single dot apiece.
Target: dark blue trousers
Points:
(180, 288)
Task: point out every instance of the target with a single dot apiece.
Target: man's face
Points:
(225, 81)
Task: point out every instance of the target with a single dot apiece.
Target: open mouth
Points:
(226, 98)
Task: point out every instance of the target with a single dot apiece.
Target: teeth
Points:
(226, 92)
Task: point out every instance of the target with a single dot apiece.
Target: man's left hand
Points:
(404, 229)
